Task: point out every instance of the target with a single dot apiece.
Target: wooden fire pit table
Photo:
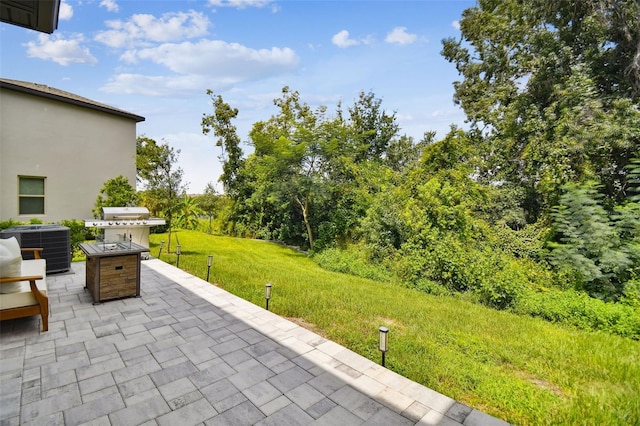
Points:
(113, 270)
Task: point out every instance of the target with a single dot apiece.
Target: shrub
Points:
(456, 265)
(495, 278)
(506, 278)
(9, 224)
(430, 287)
(499, 292)
(77, 233)
(527, 242)
(581, 311)
(632, 293)
(350, 261)
(410, 263)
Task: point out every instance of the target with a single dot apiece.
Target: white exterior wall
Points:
(76, 149)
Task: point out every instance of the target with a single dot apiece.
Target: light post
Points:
(267, 294)
(209, 262)
(160, 251)
(178, 252)
(383, 343)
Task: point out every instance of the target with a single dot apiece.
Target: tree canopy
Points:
(552, 88)
(115, 192)
(540, 189)
(220, 123)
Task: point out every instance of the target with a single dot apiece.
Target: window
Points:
(31, 195)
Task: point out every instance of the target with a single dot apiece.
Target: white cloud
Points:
(66, 11)
(342, 39)
(367, 40)
(110, 5)
(130, 56)
(61, 51)
(456, 25)
(210, 63)
(239, 4)
(143, 28)
(153, 85)
(399, 35)
(216, 57)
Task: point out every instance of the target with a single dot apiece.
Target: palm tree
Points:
(189, 213)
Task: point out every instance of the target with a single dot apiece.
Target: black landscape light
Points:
(267, 293)
(178, 252)
(160, 251)
(209, 262)
(383, 341)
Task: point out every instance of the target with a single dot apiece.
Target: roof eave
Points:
(34, 92)
(38, 15)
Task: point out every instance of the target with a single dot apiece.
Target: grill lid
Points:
(129, 213)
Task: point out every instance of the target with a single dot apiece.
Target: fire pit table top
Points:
(112, 249)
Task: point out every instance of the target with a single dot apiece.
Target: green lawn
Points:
(520, 369)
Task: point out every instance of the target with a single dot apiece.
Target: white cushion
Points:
(10, 263)
(24, 297)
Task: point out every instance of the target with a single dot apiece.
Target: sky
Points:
(157, 59)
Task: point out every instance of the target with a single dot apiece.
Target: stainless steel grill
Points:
(125, 224)
(124, 217)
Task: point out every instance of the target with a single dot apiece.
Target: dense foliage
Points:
(116, 192)
(551, 88)
(551, 92)
(540, 195)
(188, 213)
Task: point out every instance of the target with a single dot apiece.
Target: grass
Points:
(523, 370)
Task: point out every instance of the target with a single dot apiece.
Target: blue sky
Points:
(157, 59)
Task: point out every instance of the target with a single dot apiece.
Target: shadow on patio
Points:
(187, 352)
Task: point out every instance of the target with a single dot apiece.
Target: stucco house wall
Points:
(74, 143)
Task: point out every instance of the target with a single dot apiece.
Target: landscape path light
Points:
(209, 262)
(160, 251)
(178, 252)
(383, 343)
(267, 294)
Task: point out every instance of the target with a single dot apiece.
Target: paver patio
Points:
(189, 353)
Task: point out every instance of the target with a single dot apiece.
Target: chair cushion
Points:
(10, 263)
(24, 297)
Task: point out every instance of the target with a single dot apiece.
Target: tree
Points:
(598, 249)
(403, 154)
(116, 192)
(307, 178)
(162, 179)
(189, 212)
(148, 156)
(373, 128)
(552, 87)
(289, 150)
(209, 203)
(220, 123)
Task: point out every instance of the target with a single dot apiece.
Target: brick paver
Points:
(189, 353)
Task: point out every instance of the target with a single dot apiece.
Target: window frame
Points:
(42, 196)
